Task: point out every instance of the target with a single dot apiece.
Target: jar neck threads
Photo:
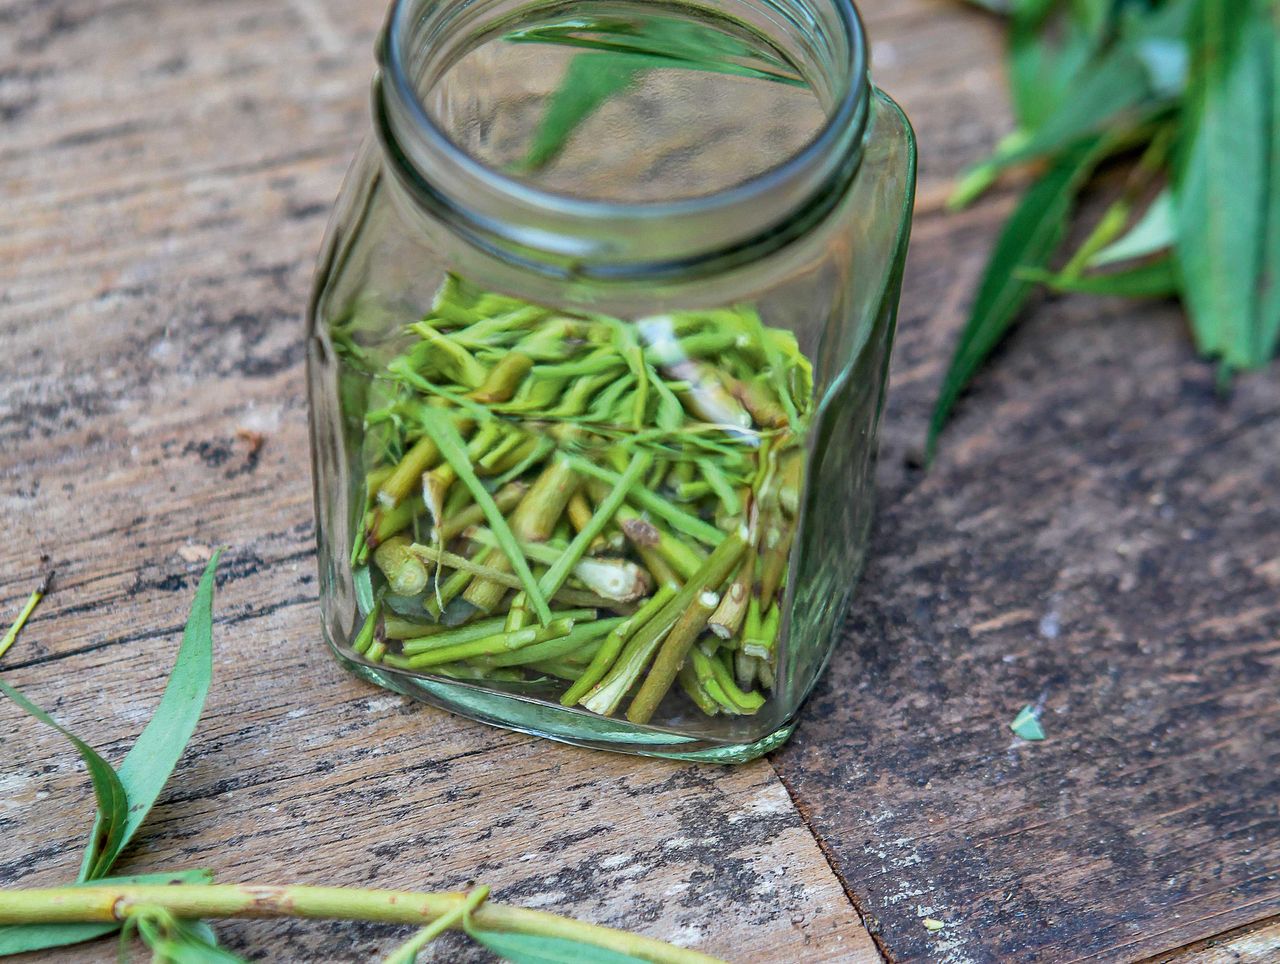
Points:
(563, 235)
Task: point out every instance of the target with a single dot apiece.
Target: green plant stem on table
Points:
(167, 910)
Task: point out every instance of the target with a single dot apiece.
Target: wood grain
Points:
(165, 171)
(1100, 535)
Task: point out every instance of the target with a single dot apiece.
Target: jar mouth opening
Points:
(500, 210)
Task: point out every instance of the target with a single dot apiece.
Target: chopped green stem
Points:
(760, 638)
(675, 647)
(641, 647)
(696, 690)
(397, 627)
(27, 609)
(582, 635)
(446, 356)
(452, 450)
(403, 569)
(605, 511)
(499, 642)
(688, 524)
(607, 655)
(480, 630)
(110, 903)
(365, 637)
(450, 589)
(503, 379)
(736, 700)
(506, 499)
(408, 472)
(727, 619)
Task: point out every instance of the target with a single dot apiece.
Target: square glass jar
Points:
(597, 352)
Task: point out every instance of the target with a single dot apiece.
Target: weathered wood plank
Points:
(1255, 946)
(1100, 534)
(167, 168)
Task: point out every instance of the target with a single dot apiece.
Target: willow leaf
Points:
(1220, 179)
(536, 949)
(1155, 280)
(1101, 96)
(110, 824)
(589, 81)
(1269, 287)
(1028, 240)
(21, 938)
(1155, 231)
(146, 767)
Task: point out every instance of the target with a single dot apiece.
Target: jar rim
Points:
(587, 235)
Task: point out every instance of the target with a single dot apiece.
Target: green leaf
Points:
(28, 608)
(535, 949)
(589, 81)
(1113, 86)
(619, 51)
(1028, 239)
(180, 942)
(1220, 178)
(109, 827)
(1269, 286)
(21, 938)
(146, 767)
(1041, 71)
(1027, 724)
(1155, 280)
(1155, 231)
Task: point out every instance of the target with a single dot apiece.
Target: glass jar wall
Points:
(597, 350)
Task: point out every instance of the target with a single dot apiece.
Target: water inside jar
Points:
(627, 102)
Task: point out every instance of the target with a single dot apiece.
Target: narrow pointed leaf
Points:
(1155, 231)
(1220, 180)
(21, 938)
(1028, 240)
(1155, 280)
(146, 767)
(113, 808)
(589, 81)
(1269, 283)
(536, 949)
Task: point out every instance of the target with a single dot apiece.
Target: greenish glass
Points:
(598, 346)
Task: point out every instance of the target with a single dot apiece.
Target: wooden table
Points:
(1101, 535)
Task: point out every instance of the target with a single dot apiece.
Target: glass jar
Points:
(597, 351)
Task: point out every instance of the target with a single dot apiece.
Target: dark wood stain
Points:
(1100, 535)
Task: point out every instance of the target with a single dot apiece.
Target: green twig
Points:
(32, 602)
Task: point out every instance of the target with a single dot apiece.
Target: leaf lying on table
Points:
(113, 810)
(1220, 182)
(125, 797)
(1154, 280)
(1029, 238)
(146, 768)
(156, 907)
(1155, 231)
(1202, 74)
